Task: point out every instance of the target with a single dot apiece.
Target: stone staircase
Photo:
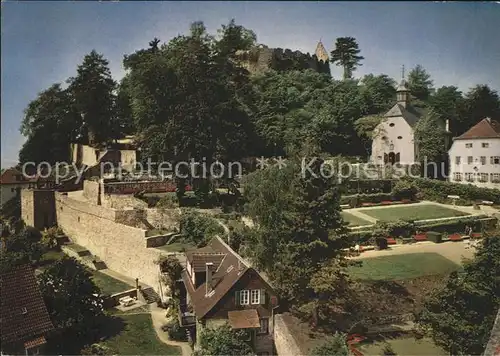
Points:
(149, 295)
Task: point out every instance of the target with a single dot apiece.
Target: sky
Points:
(43, 42)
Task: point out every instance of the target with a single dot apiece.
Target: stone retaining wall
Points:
(121, 247)
(283, 340)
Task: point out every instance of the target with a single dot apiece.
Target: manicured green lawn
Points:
(353, 220)
(139, 338)
(417, 212)
(109, 285)
(397, 267)
(404, 346)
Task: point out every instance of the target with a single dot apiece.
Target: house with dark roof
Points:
(474, 156)
(25, 322)
(218, 286)
(393, 139)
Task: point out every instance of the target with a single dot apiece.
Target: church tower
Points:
(402, 91)
(321, 52)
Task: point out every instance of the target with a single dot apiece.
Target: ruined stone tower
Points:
(321, 52)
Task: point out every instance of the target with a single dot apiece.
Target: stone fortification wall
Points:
(115, 201)
(27, 207)
(92, 192)
(121, 247)
(165, 219)
(283, 340)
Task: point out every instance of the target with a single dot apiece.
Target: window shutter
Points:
(237, 298)
(262, 296)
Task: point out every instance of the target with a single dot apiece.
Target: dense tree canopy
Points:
(298, 217)
(420, 83)
(50, 123)
(70, 294)
(93, 92)
(224, 341)
(459, 317)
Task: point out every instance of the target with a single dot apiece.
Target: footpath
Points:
(159, 319)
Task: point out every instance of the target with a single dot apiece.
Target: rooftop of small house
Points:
(228, 268)
(24, 314)
(486, 128)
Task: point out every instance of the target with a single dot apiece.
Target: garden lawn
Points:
(353, 220)
(405, 345)
(404, 266)
(415, 212)
(109, 285)
(139, 338)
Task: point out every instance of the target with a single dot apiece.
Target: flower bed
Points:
(391, 241)
(420, 237)
(455, 237)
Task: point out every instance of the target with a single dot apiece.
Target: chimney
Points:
(447, 125)
(209, 276)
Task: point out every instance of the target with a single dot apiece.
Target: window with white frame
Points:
(255, 296)
(457, 177)
(469, 177)
(244, 297)
(495, 160)
(485, 145)
(264, 326)
(457, 160)
(483, 177)
(468, 145)
(483, 160)
(495, 177)
(470, 160)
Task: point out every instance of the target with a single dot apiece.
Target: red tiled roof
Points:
(486, 128)
(13, 176)
(23, 311)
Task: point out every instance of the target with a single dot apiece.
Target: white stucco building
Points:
(475, 155)
(12, 181)
(393, 137)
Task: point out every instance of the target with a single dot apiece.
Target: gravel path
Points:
(159, 319)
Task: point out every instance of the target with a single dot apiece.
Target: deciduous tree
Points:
(224, 341)
(70, 294)
(459, 317)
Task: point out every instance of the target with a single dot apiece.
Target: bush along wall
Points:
(436, 190)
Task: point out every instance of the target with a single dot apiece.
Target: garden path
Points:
(158, 315)
(454, 251)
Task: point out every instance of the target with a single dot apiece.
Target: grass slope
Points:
(353, 220)
(398, 267)
(417, 212)
(139, 338)
(109, 285)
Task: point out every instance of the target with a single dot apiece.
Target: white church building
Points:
(475, 155)
(393, 138)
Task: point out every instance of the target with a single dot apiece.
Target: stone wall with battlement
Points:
(136, 187)
(121, 247)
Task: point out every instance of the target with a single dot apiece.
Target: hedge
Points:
(405, 229)
(365, 198)
(431, 189)
(367, 186)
